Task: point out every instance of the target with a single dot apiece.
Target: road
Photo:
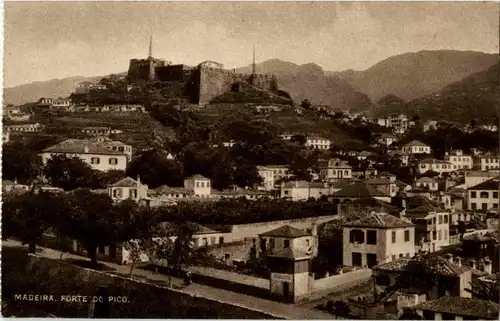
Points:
(278, 309)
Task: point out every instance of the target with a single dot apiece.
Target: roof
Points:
(426, 180)
(379, 220)
(80, 146)
(433, 161)
(125, 182)
(164, 189)
(297, 184)
(439, 264)
(422, 210)
(400, 183)
(198, 176)
(376, 203)
(358, 190)
(377, 181)
(386, 135)
(415, 143)
(386, 174)
(491, 184)
(200, 229)
(365, 153)
(462, 306)
(286, 231)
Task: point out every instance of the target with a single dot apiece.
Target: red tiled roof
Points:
(491, 184)
(379, 220)
(462, 306)
(80, 146)
(440, 265)
(358, 190)
(125, 182)
(286, 231)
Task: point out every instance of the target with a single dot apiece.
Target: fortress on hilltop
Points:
(199, 84)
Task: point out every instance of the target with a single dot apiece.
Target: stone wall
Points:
(28, 274)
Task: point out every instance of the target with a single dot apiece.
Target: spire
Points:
(150, 45)
(253, 64)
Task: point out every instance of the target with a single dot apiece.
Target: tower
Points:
(288, 254)
(151, 60)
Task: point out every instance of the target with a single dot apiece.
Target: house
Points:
(384, 185)
(435, 165)
(60, 103)
(457, 308)
(389, 176)
(432, 226)
(13, 186)
(458, 159)
(45, 102)
(119, 147)
(318, 142)
(452, 278)
(386, 139)
(486, 162)
(20, 117)
(303, 190)
(237, 192)
(97, 155)
(483, 196)
(84, 87)
(399, 122)
(200, 185)
(402, 186)
(427, 183)
(359, 190)
(334, 170)
(280, 172)
(474, 178)
(267, 175)
(430, 125)
(128, 188)
(28, 127)
(402, 156)
(364, 155)
(377, 238)
(10, 110)
(100, 131)
(416, 147)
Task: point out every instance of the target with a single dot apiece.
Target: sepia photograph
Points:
(251, 160)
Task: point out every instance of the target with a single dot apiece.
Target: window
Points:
(473, 195)
(484, 206)
(286, 244)
(495, 195)
(205, 241)
(440, 219)
(221, 240)
(117, 192)
(308, 243)
(120, 149)
(393, 236)
(439, 235)
(95, 160)
(197, 184)
(371, 259)
(445, 218)
(484, 194)
(473, 206)
(394, 257)
(356, 259)
(202, 184)
(371, 237)
(101, 249)
(271, 243)
(407, 236)
(113, 161)
(133, 193)
(212, 240)
(357, 236)
(346, 172)
(434, 235)
(401, 255)
(445, 235)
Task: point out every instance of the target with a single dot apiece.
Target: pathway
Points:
(280, 310)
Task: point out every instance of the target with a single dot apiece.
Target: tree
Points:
(68, 173)
(20, 163)
(300, 139)
(95, 222)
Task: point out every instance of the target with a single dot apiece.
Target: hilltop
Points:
(413, 75)
(473, 97)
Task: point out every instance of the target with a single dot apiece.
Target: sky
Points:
(46, 40)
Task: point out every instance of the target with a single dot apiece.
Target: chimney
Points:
(487, 266)
(472, 264)
(449, 257)
(458, 261)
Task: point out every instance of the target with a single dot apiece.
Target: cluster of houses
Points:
(66, 105)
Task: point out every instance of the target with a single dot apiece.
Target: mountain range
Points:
(409, 76)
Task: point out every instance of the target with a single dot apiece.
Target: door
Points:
(371, 259)
(286, 289)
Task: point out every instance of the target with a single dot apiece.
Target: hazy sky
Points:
(45, 40)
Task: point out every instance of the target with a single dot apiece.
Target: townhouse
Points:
(483, 196)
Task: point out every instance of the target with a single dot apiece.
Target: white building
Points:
(119, 147)
(386, 139)
(60, 103)
(128, 188)
(334, 169)
(458, 159)
(318, 142)
(435, 165)
(432, 226)
(95, 154)
(199, 184)
(302, 190)
(24, 127)
(427, 183)
(474, 178)
(267, 175)
(483, 196)
(416, 147)
(280, 172)
(377, 238)
(486, 162)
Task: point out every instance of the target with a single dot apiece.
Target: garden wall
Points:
(28, 274)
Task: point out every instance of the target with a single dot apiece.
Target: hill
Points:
(412, 75)
(473, 97)
(309, 81)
